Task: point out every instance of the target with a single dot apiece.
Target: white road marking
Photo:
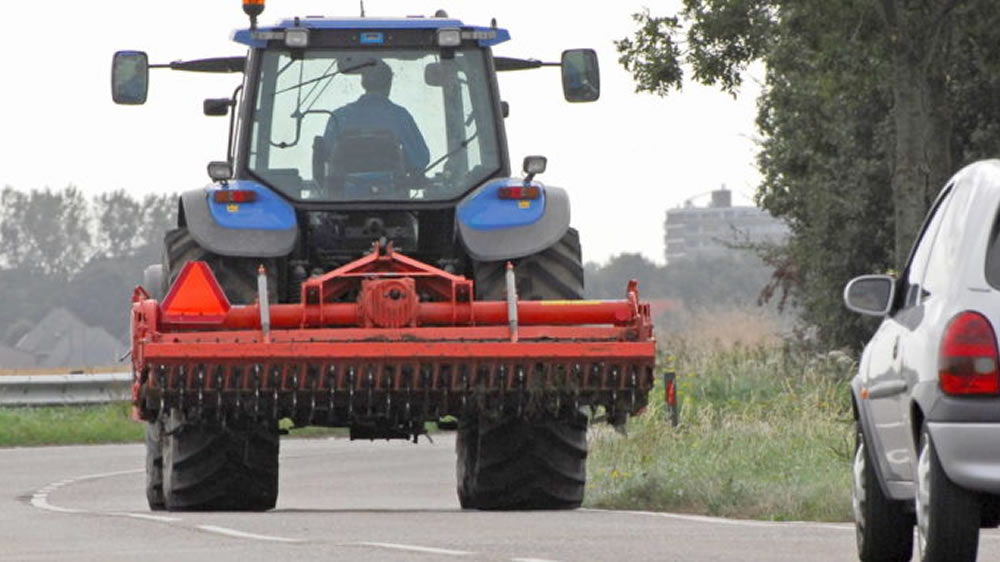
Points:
(530, 560)
(40, 498)
(410, 547)
(146, 516)
(724, 521)
(242, 535)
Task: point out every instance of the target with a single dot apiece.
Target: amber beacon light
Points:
(253, 8)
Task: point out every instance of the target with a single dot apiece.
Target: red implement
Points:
(386, 337)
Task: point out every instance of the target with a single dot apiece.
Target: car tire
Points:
(884, 529)
(948, 515)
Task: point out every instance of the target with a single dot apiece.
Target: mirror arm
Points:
(232, 125)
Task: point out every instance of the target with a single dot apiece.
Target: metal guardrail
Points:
(53, 390)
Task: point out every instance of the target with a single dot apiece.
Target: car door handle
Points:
(895, 348)
(886, 389)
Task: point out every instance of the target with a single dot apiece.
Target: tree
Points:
(44, 231)
(867, 106)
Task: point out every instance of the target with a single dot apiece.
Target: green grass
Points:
(68, 425)
(106, 423)
(765, 433)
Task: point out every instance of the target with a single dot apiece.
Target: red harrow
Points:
(388, 342)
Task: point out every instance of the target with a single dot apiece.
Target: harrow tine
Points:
(370, 381)
(163, 388)
(276, 374)
(520, 390)
(425, 382)
(388, 390)
(350, 393)
(256, 392)
(614, 393)
(183, 386)
(634, 384)
(201, 389)
(312, 399)
(239, 390)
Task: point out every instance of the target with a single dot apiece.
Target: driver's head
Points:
(377, 79)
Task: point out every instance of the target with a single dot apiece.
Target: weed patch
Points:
(765, 433)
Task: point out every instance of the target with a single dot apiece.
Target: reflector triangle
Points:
(195, 296)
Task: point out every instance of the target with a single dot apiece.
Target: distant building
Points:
(703, 232)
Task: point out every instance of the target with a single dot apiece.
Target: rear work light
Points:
(519, 192)
(967, 360)
(234, 196)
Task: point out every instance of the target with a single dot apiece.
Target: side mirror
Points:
(534, 165)
(216, 107)
(220, 171)
(129, 77)
(581, 75)
(871, 295)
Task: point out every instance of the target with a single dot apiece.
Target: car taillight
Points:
(519, 192)
(967, 361)
(234, 196)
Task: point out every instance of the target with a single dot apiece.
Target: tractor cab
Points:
(364, 109)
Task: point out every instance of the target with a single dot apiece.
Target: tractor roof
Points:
(486, 36)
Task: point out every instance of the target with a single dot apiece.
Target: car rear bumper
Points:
(969, 453)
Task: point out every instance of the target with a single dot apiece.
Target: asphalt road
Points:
(356, 501)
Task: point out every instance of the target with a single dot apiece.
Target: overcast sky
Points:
(625, 159)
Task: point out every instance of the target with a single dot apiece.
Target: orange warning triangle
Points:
(195, 296)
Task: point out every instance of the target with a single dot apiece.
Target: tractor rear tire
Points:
(211, 468)
(237, 276)
(516, 462)
(526, 464)
(154, 466)
(467, 453)
(555, 273)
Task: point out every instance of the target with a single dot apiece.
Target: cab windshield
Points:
(365, 125)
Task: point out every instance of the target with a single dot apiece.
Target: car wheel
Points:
(884, 529)
(948, 516)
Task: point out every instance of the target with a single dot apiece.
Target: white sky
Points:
(625, 159)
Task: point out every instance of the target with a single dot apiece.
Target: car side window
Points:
(993, 255)
(919, 256)
(947, 248)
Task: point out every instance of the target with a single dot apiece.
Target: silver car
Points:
(927, 394)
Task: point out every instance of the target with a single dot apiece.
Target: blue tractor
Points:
(349, 132)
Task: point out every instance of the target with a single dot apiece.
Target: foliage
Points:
(735, 279)
(868, 106)
(56, 249)
(765, 433)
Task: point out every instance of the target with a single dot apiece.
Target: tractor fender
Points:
(266, 228)
(492, 229)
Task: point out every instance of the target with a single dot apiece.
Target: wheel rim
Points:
(858, 492)
(923, 495)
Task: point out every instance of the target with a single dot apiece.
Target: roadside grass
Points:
(68, 425)
(87, 425)
(765, 433)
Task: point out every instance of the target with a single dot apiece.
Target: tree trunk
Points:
(922, 156)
